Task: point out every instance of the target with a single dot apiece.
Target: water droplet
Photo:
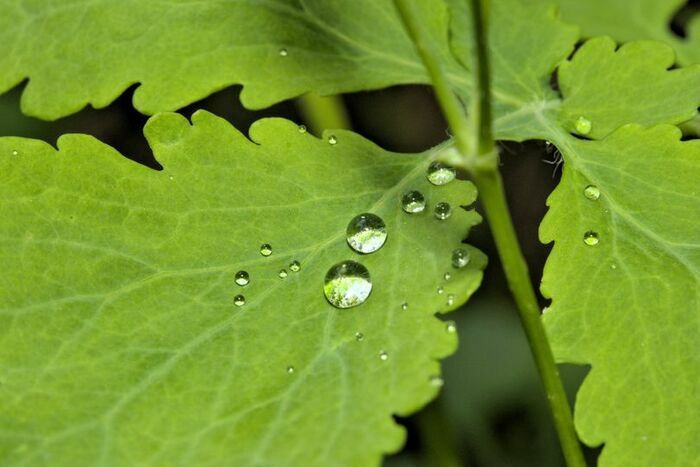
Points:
(282, 274)
(436, 381)
(450, 300)
(590, 238)
(447, 276)
(413, 202)
(440, 290)
(265, 249)
(171, 177)
(450, 327)
(583, 126)
(242, 278)
(460, 257)
(613, 266)
(347, 284)
(302, 129)
(332, 140)
(383, 356)
(359, 336)
(591, 192)
(284, 52)
(443, 211)
(366, 233)
(290, 369)
(440, 174)
(295, 266)
(15, 153)
(404, 306)
(239, 300)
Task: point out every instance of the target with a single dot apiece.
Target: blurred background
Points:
(492, 410)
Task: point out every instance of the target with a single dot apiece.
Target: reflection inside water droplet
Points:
(440, 174)
(239, 300)
(443, 211)
(295, 266)
(460, 257)
(450, 300)
(413, 202)
(347, 284)
(265, 249)
(366, 233)
(590, 238)
(282, 274)
(242, 278)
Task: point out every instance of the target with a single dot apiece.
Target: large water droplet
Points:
(242, 278)
(591, 192)
(383, 356)
(413, 202)
(239, 300)
(332, 140)
(295, 266)
(347, 284)
(366, 233)
(440, 174)
(265, 249)
(460, 257)
(583, 126)
(590, 238)
(443, 211)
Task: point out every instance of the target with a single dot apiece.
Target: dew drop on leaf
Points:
(366, 233)
(591, 192)
(332, 140)
(265, 249)
(295, 266)
(347, 284)
(436, 381)
(590, 238)
(290, 369)
(447, 276)
(450, 327)
(443, 211)
(282, 274)
(440, 290)
(359, 336)
(404, 306)
(284, 52)
(440, 174)
(239, 300)
(460, 258)
(383, 356)
(242, 278)
(302, 129)
(583, 126)
(413, 202)
(15, 153)
(450, 300)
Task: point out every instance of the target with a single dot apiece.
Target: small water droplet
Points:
(282, 274)
(359, 336)
(302, 129)
(383, 356)
(404, 306)
(239, 300)
(366, 233)
(450, 327)
(290, 369)
(265, 249)
(440, 290)
(450, 300)
(347, 284)
(171, 177)
(413, 202)
(447, 276)
(15, 153)
(242, 278)
(583, 126)
(284, 52)
(440, 174)
(443, 211)
(295, 266)
(460, 257)
(613, 266)
(437, 381)
(591, 192)
(332, 140)
(590, 238)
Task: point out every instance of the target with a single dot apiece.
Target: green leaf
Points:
(629, 305)
(119, 339)
(626, 21)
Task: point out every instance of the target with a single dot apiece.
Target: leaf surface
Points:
(119, 340)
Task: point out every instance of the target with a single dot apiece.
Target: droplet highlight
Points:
(447, 276)
(302, 129)
(443, 211)
(413, 202)
(282, 274)
(591, 238)
(436, 381)
(359, 336)
(366, 233)
(291, 370)
(591, 192)
(266, 249)
(239, 300)
(332, 140)
(404, 306)
(347, 284)
(450, 327)
(583, 126)
(242, 278)
(284, 52)
(295, 266)
(440, 174)
(460, 258)
(450, 300)
(440, 290)
(383, 356)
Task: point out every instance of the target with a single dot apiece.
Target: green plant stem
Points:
(490, 185)
(323, 112)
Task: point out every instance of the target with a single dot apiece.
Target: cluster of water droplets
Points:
(591, 237)
(242, 278)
